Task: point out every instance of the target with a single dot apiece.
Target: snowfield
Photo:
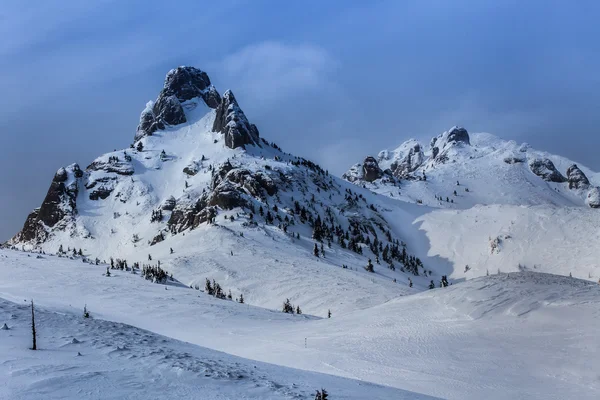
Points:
(517, 335)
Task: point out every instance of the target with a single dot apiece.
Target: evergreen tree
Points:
(208, 288)
(288, 307)
(140, 147)
(369, 266)
(241, 298)
(431, 285)
(316, 251)
(107, 272)
(298, 310)
(328, 313)
(60, 249)
(86, 314)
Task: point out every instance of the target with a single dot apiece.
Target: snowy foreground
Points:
(521, 335)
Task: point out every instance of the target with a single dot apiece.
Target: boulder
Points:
(545, 169)
(576, 178)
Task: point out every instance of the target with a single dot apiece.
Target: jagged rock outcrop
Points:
(593, 197)
(371, 170)
(455, 136)
(60, 202)
(413, 159)
(169, 204)
(576, 178)
(233, 124)
(545, 169)
(514, 160)
(181, 84)
(230, 187)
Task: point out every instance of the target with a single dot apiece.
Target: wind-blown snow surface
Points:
(521, 335)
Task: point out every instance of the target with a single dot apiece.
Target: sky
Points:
(331, 81)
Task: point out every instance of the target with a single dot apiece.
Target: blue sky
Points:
(332, 81)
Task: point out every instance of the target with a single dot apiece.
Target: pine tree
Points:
(86, 314)
(140, 147)
(431, 285)
(288, 307)
(316, 251)
(369, 266)
(328, 313)
(298, 310)
(60, 249)
(241, 298)
(208, 288)
(33, 333)
(107, 272)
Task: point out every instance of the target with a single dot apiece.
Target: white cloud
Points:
(269, 71)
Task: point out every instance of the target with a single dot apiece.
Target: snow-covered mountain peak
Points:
(461, 169)
(184, 87)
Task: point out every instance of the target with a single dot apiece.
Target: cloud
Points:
(271, 70)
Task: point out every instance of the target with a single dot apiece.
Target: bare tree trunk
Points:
(34, 347)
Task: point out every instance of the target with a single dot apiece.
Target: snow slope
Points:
(558, 240)
(522, 335)
(96, 359)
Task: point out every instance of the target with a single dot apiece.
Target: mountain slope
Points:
(504, 336)
(481, 169)
(199, 186)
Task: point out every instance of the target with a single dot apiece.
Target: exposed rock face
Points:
(371, 170)
(169, 204)
(514, 160)
(413, 159)
(230, 187)
(545, 169)
(59, 203)
(593, 197)
(576, 178)
(455, 136)
(233, 124)
(458, 134)
(181, 84)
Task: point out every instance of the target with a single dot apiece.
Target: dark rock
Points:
(59, 203)
(227, 196)
(545, 169)
(157, 239)
(181, 84)
(458, 134)
(371, 170)
(514, 160)
(100, 193)
(412, 160)
(576, 178)
(187, 83)
(169, 204)
(233, 124)
(442, 143)
(112, 165)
